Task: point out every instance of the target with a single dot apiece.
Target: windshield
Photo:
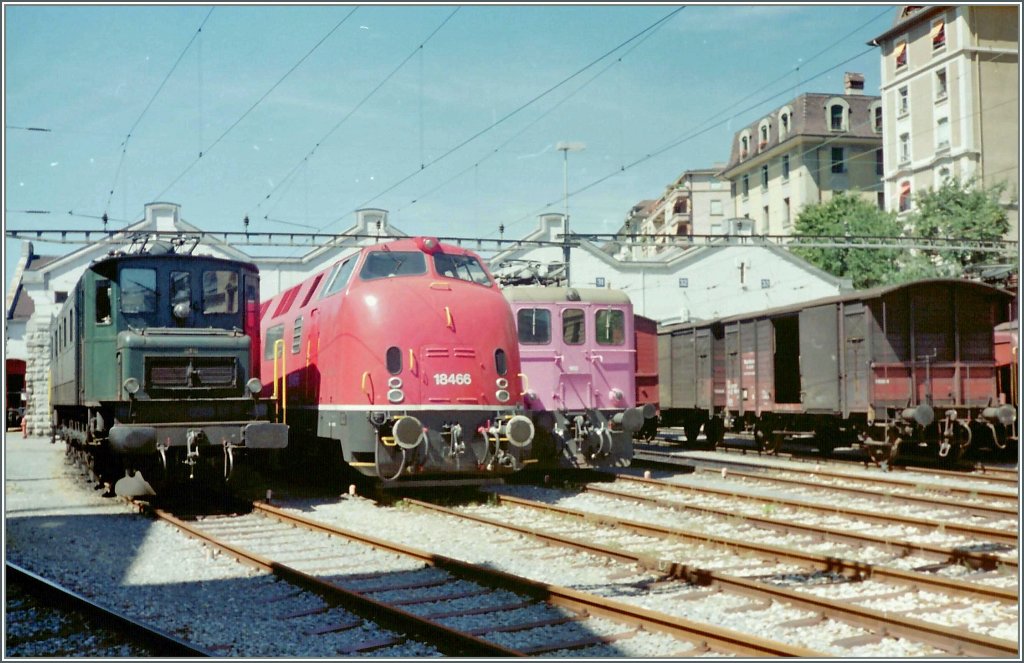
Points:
(138, 290)
(466, 268)
(383, 264)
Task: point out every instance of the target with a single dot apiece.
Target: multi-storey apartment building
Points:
(950, 89)
(804, 152)
(696, 203)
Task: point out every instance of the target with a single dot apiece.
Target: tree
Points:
(959, 210)
(849, 215)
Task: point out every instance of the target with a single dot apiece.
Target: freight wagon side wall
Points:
(647, 360)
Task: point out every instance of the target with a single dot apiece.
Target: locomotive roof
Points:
(857, 295)
(551, 295)
(179, 257)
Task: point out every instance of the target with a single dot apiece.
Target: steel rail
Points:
(160, 642)
(851, 568)
(977, 560)
(962, 644)
(993, 534)
(726, 639)
(449, 640)
(899, 482)
(864, 492)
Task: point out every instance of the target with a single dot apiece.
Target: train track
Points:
(80, 619)
(978, 503)
(984, 549)
(742, 444)
(596, 538)
(576, 620)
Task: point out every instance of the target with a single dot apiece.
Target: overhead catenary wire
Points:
(305, 159)
(256, 103)
(131, 130)
(532, 123)
(508, 115)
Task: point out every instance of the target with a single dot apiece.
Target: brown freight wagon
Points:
(646, 332)
(909, 366)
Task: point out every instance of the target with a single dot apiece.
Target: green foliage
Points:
(850, 215)
(959, 210)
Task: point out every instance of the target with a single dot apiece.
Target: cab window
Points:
(340, 277)
(274, 334)
(573, 326)
(610, 327)
(138, 290)
(181, 288)
(220, 291)
(384, 264)
(103, 302)
(466, 268)
(534, 326)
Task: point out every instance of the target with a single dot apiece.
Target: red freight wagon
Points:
(897, 367)
(646, 331)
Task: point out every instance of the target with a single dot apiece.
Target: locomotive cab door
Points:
(575, 390)
(98, 372)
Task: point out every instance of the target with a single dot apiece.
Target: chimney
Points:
(853, 83)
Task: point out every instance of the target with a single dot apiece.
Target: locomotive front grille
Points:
(191, 372)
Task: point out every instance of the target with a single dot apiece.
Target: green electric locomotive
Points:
(155, 365)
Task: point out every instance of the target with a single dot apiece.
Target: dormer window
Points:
(764, 135)
(744, 147)
(784, 122)
(836, 117)
(938, 34)
(901, 54)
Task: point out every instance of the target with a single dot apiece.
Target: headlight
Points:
(502, 396)
(254, 386)
(131, 385)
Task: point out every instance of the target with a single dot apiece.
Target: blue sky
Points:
(458, 140)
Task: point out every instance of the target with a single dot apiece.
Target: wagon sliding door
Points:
(819, 361)
(855, 360)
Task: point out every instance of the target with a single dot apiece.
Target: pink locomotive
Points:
(578, 350)
(405, 353)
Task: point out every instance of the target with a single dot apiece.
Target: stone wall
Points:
(37, 376)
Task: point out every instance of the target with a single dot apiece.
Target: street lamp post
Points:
(565, 148)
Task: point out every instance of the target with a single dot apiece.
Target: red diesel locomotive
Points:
(406, 354)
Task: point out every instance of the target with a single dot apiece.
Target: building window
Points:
(786, 213)
(837, 160)
(716, 207)
(785, 167)
(744, 147)
(881, 200)
(60, 296)
(764, 176)
(942, 133)
(904, 196)
(746, 185)
(784, 126)
(940, 85)
(878, 119)
(879, 162)
(905, 148)
(938, 34)
(901, 54)
(903, 101)
(764, 137)
(836, 116)
(764, 212)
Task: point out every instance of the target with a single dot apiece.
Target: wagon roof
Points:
(857, 295)
(552, 295)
